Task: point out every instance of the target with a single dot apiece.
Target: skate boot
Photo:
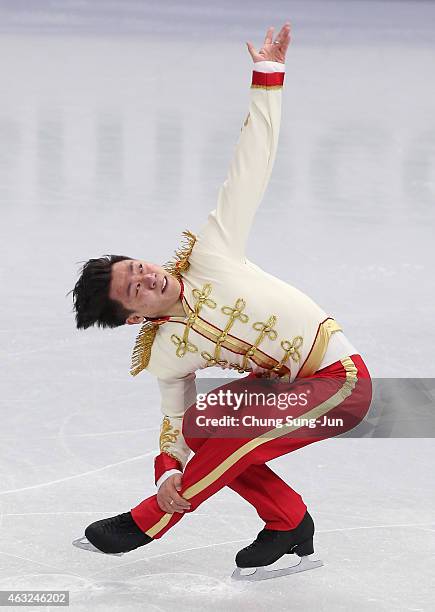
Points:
(113, 536)
(270, 545)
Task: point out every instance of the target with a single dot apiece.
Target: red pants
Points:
(342, 389)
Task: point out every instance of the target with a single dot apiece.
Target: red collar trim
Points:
(181, 289)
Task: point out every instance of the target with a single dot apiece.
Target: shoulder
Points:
(145, 340)
(141, 355)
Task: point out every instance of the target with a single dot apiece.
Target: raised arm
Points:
(228, 226)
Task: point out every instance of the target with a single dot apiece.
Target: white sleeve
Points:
(165, 476)
(229, 224)
(266, 66)
(177, 395)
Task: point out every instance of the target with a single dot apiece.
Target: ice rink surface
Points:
(117, 124)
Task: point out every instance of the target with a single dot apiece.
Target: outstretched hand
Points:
(272, 51)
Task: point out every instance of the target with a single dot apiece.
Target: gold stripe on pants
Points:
(329, 404)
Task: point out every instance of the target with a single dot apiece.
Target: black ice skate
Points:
(113, 536)
(270, 545)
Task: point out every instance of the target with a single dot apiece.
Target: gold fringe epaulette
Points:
(180, 263)
(142, 348)
(144, 341)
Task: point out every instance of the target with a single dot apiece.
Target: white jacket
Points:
(237, 315)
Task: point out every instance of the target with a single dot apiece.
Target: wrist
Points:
(165, 477)
(268, 66)
(164, 463)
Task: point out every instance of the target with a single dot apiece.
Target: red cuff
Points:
(267, 79)
(163, 463)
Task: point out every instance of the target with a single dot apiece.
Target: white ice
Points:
(117, 123)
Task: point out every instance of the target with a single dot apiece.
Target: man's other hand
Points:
(168, 492)
(271, 51)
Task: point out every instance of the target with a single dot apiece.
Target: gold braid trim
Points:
(180, 263)
(144, 340)
(266, 87)
(168, 435)
(142, 348)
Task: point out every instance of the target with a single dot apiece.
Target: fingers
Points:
(270, 50)
(164, 505)
(269, 36)
(283, 31)
(170, 501)
(284, 35)
(252, 50)
(168, 507)
(178, 500)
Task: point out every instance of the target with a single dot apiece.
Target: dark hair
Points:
(91, 300)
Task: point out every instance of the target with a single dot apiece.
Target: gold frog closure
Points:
(223, 363)
(290, 350)
(235, 313)
(183, 345)
(202, 297)
(265, 329)
(212, 361)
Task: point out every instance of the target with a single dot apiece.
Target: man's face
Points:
(140, 286)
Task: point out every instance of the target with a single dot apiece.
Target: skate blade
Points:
(84, 544)
(261, 573)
